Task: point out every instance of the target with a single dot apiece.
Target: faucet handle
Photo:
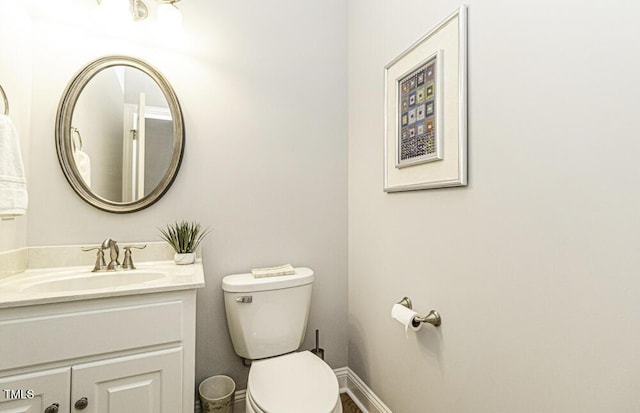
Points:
(138, 247)
(100, 264)
(127, 263)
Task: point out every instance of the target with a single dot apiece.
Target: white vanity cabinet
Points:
(127, 354)
(35, 392)
(147, 382)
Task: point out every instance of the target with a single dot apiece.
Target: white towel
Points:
(13, 185)
(83, 163)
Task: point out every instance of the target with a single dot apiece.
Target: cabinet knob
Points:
(81, 404)
(52, 409)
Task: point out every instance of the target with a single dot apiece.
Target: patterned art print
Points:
(417, 111)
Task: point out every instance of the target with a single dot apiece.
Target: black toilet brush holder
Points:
(317, 350)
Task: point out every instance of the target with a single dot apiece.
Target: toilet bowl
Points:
(267, 320)
(293, 383)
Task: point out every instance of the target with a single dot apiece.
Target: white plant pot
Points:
(185, 258)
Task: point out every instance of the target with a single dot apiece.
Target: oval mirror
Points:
(119, 134)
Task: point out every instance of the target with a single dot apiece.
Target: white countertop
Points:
(15, 291)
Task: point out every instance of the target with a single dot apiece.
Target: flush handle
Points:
(246, 299)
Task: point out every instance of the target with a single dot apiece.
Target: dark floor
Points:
(348, 406)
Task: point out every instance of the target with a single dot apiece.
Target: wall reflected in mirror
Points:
(122, 134)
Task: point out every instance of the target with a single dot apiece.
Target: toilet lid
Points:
(293, 383)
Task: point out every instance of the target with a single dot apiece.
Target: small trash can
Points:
(217, 394)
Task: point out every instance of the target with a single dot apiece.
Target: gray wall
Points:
(99, 117)
(263, 88)
(534, 265)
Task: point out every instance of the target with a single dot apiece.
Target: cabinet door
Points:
(34, 392)
(143, 383)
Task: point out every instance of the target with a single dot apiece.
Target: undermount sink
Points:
(80, 281)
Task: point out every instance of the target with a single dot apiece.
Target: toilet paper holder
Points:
(432, 318)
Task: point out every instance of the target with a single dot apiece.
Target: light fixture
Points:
(138, 10)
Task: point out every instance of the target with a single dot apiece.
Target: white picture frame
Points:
(425, 133)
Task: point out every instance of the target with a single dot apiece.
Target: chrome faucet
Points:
(114, 253)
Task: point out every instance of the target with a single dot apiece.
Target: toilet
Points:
(267, 319)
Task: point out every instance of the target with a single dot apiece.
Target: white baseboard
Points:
(240, 400)
(341, 374)
(360, 393)
(348, 382)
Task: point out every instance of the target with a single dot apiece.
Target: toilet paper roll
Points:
(405, 316)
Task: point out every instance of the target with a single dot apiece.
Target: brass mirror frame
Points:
(63, 134)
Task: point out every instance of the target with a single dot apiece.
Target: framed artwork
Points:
(425, 137)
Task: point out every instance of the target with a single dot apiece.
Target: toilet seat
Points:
(293, 383)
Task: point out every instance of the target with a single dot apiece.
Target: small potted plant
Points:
(184, 237)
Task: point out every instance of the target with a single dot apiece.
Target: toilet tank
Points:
(267, 316)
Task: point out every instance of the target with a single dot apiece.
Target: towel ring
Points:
(76, 133)
(6, 101)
